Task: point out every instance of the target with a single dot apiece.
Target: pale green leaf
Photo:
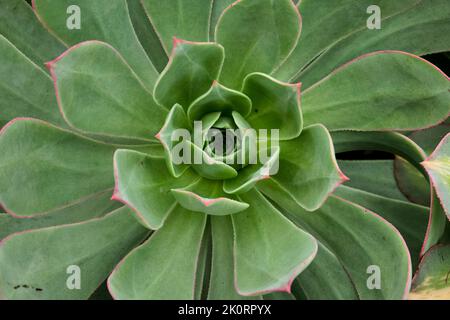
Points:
(276, 105)
(192, 68)
(270, 251)
(379, 91)
(49, 167)
(257, 36)
(102, 20)
(208, 197)
(184, 19)
(99, 94)
(165, 266)
(39, 264)
(144, 183)
(308, 171)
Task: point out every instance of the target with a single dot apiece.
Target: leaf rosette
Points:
(222, 168)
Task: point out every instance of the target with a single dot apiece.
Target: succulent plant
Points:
(112, 170)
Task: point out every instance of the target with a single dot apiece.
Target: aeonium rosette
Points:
(219, 144)
(221, 161)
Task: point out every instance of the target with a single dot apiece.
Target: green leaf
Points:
(176, 119)
(431, 280)
(308, 171)
(253, 173)
(184, 19)
(429, 138)
(21, 27)
(49, 167)
(360, 239)
(148, 37)
(411, 182)
(326, 24)
(410, 219)
(144, 183)
(419, 27)
(402, 146)
(165, 266)
(257, 36)
(218, 6)
(374, 176)
(37, 264)
(269, 250)
(192, 68)
(30, 93)
(325, 279)
(101, 20)
(379, 91)
(276, 105)
(92, 207)
(221, 282)
(225, 122)
(219, 98)
(240, 121)
(98, 93)
(438, 167)
(208, 167)
(207, 122)
(208, 197)
(203, 264)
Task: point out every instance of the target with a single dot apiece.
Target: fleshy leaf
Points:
(93, 77)
(49, 167)
(374, 176)
(184, 19)
(325, 279)
(257, 36)
(207, 122)
(144, 183)
(37, 264)
(21, 27)
(416, 26)
(429, 138)
(218, 6)
(326, 24)
(400, 145)
(251, 174)
(30, 93)
(431, 279)
(191, 70)
(208, 197)
(101, 20)
(276, 105)
(147, 35)
(373, 185)
(219, 99)
(379, 91)
(438, 167)
(308, 171)
(208, 167)
(203, 265)
(95, 206)
(176, 119)
(270, 251)
(410, 219)
(165, 266)
(411, 182)
(362, 240)
(221, 282)
(240, 121)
